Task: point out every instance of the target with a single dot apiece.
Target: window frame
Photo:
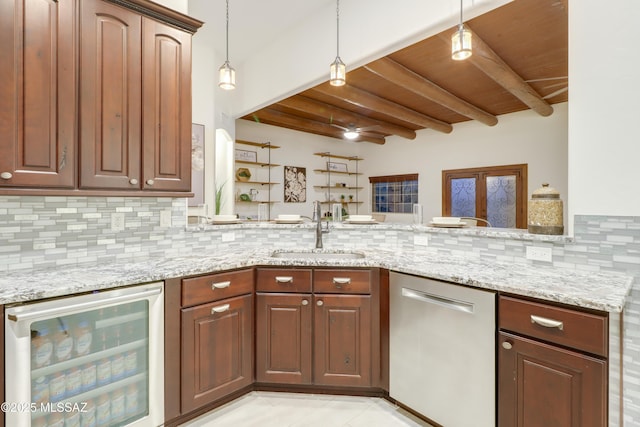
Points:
(480, 174)
(391, 179)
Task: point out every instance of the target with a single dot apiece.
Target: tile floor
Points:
(273, 409)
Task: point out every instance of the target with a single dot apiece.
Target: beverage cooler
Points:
(92, 360)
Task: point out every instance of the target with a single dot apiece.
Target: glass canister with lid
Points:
(545, 211)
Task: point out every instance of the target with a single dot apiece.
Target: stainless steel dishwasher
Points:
(442, 350)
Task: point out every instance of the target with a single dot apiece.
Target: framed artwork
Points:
(197, 164)
(336, 167)
(246, 156)
(295, 184)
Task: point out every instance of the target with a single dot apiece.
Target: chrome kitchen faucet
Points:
(317, 216)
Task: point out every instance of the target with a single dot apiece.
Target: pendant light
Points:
(461, 41)
(226, 73)
(338, 69)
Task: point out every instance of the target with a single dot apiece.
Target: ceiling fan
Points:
(351, 131)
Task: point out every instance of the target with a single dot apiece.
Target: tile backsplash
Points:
(46, 231)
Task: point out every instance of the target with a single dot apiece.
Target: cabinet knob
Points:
(133, 181)
(507, 345)
(6, 175)
(320, 303)
(150, 182)
(305, 302)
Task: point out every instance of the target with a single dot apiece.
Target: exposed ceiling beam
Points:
(398, 74)
(346, 117)
(364, 99)
(278, 118)
(487, 61)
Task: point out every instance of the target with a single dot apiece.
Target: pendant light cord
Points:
(459, 25)
(227, 60)
(337, 28)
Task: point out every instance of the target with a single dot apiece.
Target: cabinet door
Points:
(541, 385)
(283, 338)
(166, 92)
(342, 329)
(110, 79)
(216, 350)
(37, 93)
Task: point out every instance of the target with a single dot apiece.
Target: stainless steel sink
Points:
(317, 255)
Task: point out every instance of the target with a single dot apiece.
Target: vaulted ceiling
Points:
(519, 62)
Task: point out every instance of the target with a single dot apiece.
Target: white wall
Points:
(181, 6)
(523, 137)
(604, 136)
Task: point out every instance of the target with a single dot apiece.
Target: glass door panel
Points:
(501, 201)
(91, 368)
(463, 197)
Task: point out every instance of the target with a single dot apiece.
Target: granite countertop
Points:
(600, 291)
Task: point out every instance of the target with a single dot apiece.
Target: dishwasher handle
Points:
(87, 302)
(450, 303)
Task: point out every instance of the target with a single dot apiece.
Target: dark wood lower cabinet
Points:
(342, 335)
(217, 350)
(283, 338)
(541, 385)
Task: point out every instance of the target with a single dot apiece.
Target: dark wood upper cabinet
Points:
(110, 97)
(95, 95)
(166, 102)
(38, 83)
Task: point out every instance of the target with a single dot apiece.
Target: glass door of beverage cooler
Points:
(90, 360)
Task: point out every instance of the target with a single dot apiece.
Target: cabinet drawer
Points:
(342, 281)
(214, 287)
(571, 328)
(283, 280)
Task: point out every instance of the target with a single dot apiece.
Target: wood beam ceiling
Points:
(487, 61)
(520, 62)
(364, 99)
(278, 118)
(396, 73)
(344, 117)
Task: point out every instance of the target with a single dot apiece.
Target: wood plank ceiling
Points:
(519, 62)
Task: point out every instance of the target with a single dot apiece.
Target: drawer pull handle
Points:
(220, 309)
(284, 279)
(547, 323)
(339, 281)
(220, 285)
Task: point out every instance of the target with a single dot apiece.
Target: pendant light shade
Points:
(226, 73)
(461, 41)
(338, 74)
(227, 77)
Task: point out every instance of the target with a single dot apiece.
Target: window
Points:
(496, 193)
(394, 193)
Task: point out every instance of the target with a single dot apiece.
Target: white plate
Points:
(229, 221)
(353, 221)
(289, 221)
(447, 224)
